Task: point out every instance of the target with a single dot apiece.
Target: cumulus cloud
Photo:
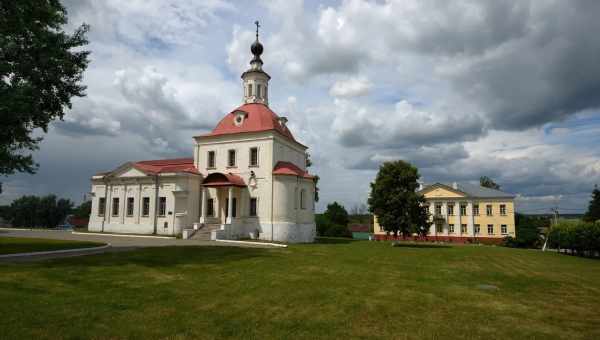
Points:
(352, 87)
(407, 124)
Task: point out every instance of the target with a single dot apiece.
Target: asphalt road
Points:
(118, 243)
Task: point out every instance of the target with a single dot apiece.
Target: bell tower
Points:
(255, 80)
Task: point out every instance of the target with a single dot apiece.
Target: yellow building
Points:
(466, 213)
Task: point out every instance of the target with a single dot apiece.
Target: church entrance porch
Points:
(220, 203)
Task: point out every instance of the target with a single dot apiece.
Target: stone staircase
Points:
(203, 233)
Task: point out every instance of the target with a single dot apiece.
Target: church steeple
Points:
(255, 80)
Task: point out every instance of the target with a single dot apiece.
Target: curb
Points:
(254, 243)
(123, 235)
(52, 252)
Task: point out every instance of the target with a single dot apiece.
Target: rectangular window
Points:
(476, 209)
(211, 160)
(258, 88)
(101, 206)
(463, 210)
(503, 229)
(490, 229)
(302, 199)
(503, 209)
(145, 206)
(451, 228)
(438, 209)
(129, 206)
(477, 229)
(249, 90)
(115, 207)
(439, 228)
(231, 158)
(450, 209)
(463, 228)
(253, 206)
(253, 156)
(210, 207)
(488, 210)
(162, 206)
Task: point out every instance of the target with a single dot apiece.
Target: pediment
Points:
(127, 170)
(438, 190)
(131, 172)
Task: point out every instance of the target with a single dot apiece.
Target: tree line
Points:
(42, 211)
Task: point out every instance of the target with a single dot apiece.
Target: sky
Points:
(461, 89)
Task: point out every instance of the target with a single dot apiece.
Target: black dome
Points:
(256, 48)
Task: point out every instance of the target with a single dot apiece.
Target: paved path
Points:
(119, 243)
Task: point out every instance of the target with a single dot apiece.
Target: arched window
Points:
(249, 90)
(258, 88)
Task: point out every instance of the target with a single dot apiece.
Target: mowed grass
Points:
(13, 245)
(330, 290)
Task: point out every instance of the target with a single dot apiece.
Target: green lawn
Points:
(13, 245)
(334, 290)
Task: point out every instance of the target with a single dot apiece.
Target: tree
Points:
(83, 210)
(41, 69)
(395, 202)
(487, 182)
(337, 214)
(593, 212)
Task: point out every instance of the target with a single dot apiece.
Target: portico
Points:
(218, 190)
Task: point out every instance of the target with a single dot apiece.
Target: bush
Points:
(582, 238)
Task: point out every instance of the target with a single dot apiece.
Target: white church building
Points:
(247, 179)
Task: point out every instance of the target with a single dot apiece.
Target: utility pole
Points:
(553, 223)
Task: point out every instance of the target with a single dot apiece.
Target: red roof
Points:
(217, 179)
(166, 165)
(259, 118)
(290, 169)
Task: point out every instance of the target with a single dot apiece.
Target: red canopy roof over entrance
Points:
(217, 179)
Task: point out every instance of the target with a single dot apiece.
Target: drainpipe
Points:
(155, 201)
(272, 200)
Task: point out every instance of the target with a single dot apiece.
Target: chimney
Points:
(454, 185)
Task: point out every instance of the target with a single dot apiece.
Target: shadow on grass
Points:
(333, 240)
(162, 257)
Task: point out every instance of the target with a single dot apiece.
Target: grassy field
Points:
(329, 290)
(13, 245)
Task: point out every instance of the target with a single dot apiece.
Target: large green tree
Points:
(487, 182)
(593, 212)
(41, 69)
(395, 202)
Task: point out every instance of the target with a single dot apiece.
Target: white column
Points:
(457, 224)
(124, 210)
(229, 205)
(139, 204)
(432, 229)
(445, 213)
(471, 220)
(203, 208)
